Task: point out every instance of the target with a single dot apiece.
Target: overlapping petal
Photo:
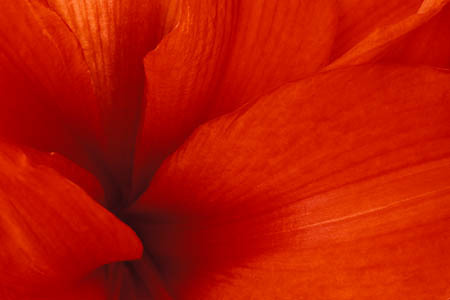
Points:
(115, 36)
(334, 187)
(51, 231)
(79, 176)
(222, 54)
(428, 44)
(46, 97)
(418, 38)
(358, 19)
(331, 187)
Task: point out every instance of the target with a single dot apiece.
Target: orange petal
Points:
(335, 187)
(46, 96)
(221, 55)
(115, 36)
(51, 231)
(419, 38)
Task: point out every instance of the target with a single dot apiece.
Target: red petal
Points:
(93, 287)
(141, 280)
(335, 187)
(51, 231)
(88, 182)
(357, 19)
(428, 44)
(115, 36)
(221, 55)
(413, 40)
(45, 93)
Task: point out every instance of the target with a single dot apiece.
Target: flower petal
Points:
(141, 280)
(414, 39)
(91, 287)
(46, 96)
(115, 36)
(357, 19)
(334, 187)
(428, 44)
(87, 181)
(51, 231)
(221, 55)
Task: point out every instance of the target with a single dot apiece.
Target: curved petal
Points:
(221, 55)
(51, 231)
(82, 178)
(46, 97)
(428, 44)
(115, 36)
(416, 39)
(334, 187)
(357, 19)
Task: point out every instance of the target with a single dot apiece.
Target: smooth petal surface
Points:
(51, 231)
(335, 187)
(221, 55)
(419, 38)
(93, 286)
(46, 97)
(115, 36)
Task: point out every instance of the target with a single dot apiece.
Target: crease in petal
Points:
(330, 187)
(51, 231)
(221, 55)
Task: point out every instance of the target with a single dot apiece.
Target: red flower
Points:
(224, 149)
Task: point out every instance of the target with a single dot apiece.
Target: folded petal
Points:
(115, 36)
(46, 97)
(335, 187)
(221, 55)
(419, 38)
(51, 231)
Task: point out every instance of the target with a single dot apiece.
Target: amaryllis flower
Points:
(212, 149)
